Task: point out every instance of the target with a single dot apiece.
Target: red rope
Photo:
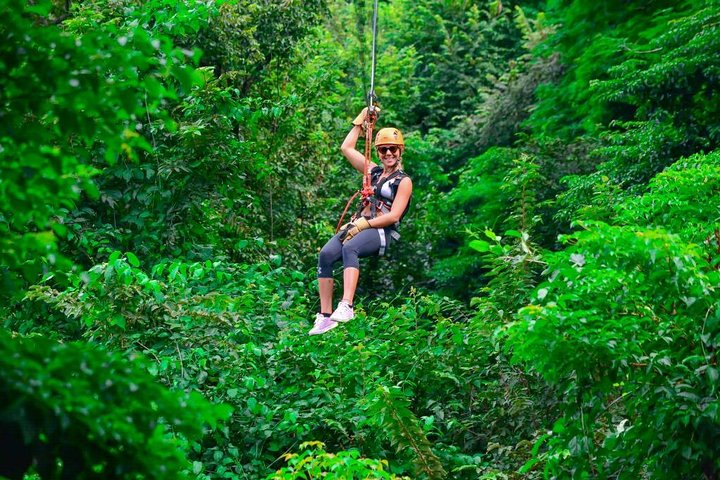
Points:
(366, 191)
(370, 121)
(337, 229)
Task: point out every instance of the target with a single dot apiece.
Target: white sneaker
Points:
(343, 312)
(322, 324)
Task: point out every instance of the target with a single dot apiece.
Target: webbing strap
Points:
(383, 241)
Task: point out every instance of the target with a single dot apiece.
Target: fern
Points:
(391, 411)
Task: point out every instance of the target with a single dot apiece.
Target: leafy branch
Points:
(391, 411)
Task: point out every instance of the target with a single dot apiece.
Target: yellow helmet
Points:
(389, 136)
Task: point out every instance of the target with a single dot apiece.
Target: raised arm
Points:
(355, 158)
(349, 150)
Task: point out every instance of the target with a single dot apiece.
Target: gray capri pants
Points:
(373, 241)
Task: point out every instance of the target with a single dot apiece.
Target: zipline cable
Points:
(372, 113)
(371, 94)
(367, 191)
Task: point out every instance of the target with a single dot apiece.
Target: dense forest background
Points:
(170, 169)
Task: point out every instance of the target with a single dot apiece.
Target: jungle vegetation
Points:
(169, 171)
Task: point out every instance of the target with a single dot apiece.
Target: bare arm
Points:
(356, 159)
(398, 207)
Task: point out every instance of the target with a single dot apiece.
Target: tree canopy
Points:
(169, 171)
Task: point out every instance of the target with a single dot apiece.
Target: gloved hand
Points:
(360, 119)
(354, 228)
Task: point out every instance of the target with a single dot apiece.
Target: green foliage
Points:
(626, 325)
(676, 73)
(248, 38)
(475, 204)
(681, 199)
(315, 461)
(238, 335)
(205, 325)
(205, 190)
(220, 182)
(485, 200)
(72, 411)
(508, 100)
(594, 37)
(506, 105)
(215, 183)
(460, 46)
(62, 96)
(672, 97)
(117, 301)
(513, 270)
(389, 408)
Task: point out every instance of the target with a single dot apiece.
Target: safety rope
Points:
(369, 125)
(366, 191)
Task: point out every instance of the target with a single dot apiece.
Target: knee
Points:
(326, 257)
(349, 251)
(326, 260)
(350, 257)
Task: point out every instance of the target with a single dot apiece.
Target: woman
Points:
(372, 231)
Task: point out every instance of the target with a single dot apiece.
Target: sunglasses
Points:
(393, 149)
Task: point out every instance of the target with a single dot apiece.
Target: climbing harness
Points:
(366, 192)
(385, 191)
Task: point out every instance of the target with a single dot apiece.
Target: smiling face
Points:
(390, 155)
(389, 144)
